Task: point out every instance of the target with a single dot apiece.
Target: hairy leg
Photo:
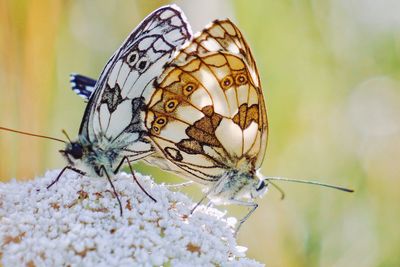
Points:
(61, 173)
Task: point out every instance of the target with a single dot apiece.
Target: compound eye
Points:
(261, 186)
(76, 151)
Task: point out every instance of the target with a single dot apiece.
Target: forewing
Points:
(115, 110)
(207, 115)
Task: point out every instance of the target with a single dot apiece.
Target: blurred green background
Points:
(331, 76)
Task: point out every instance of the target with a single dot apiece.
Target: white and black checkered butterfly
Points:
(112, 130)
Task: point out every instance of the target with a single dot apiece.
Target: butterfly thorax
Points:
(92, 157)
(236, 185)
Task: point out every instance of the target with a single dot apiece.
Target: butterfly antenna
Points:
(31, 134)
(279, 189)
(66, 135)
(268, 179)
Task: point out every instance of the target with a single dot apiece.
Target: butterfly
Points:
(208, 117)
(112, 130)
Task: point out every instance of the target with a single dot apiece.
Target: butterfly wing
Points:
(114, 114)
(207, 114)
(82, 85)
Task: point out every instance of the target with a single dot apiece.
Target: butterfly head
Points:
(73, 152)
(250, 181)
(259, 188)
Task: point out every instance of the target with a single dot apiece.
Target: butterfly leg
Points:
(115, 191)
(134, 177)
(253, 206)
(61, 173)
(178, 185)
(198, 203)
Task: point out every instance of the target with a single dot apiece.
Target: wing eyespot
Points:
(189, 89)
(132, 58)
(158, 124)
(171, 105)
(161, 121)
(156, 130)
(226, 82)
(241, 79)
(142, 64)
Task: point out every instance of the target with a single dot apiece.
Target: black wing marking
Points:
(116, 108)
(82, 85)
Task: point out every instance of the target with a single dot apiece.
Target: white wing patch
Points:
(120, 119)
(230, 136)
(175, 131)
(189, 114)
(112, 80)
(249, 135)
(220, 103)
(200, 98)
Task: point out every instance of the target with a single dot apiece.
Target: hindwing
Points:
(82, 85)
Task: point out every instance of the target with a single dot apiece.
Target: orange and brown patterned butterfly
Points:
(207, 116)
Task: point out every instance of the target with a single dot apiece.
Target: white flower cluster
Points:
(77, 223)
